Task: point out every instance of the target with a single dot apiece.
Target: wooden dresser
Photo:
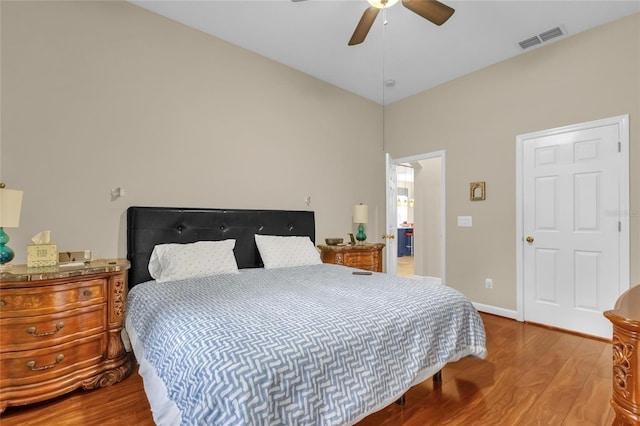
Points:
(361, 256)
(625, 318)
(60, 330)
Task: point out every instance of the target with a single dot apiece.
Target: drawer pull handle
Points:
(87, 293)
(31, 365)
(32, 330)
(2, 303)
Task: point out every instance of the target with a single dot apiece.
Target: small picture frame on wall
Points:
(477, 191)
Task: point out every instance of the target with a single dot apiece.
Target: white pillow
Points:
(283, 252)
(171, 262)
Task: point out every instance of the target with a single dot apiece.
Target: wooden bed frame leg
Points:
(437, 378)
(402, 400)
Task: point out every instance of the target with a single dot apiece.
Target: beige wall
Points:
(428, 208)
(97, 95)
(476, 119)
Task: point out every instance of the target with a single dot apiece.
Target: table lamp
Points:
(361, 216)
(10, 205)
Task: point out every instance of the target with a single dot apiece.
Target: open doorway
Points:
(416, 220)
(405, 219)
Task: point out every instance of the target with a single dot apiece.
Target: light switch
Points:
(465, 221)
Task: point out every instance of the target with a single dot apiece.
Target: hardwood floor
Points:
(532, 376)
(405, 266)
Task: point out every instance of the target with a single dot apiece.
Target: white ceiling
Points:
(311, 36)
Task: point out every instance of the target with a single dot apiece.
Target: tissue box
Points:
(39, 255)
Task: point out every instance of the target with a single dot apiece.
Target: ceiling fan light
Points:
(381, 4)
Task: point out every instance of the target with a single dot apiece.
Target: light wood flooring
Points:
(532, 376)
(405, 266)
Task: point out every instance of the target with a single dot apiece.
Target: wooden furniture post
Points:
(625, 318)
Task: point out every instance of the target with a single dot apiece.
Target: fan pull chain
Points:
(384, 16)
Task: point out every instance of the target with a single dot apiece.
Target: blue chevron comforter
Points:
(311, 345)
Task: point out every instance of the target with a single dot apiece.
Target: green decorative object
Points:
(6, 254)
(361, 236)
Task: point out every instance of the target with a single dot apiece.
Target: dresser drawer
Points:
(46, 300)
(363, 260)
(21, 333)
(36, 366)
(361, 256)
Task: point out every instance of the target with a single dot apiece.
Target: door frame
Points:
(622, 121)
(392, 256)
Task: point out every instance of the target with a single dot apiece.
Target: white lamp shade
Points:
(10, 206)
(361, 213)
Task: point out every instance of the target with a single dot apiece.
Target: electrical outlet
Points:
(488, 283)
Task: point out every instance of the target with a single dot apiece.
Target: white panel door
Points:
(391, 248)
(570, 217)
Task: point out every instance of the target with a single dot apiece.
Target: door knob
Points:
(529, 239)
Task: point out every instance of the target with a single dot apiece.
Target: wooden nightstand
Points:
(60, 330)
(361, 256)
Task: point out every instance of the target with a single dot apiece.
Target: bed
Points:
(284, 339)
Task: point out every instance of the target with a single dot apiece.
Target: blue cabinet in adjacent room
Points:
(405, 242)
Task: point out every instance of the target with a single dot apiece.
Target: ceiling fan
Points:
(431, 10)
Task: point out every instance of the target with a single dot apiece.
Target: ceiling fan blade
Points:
(364, 26)
(431, 10)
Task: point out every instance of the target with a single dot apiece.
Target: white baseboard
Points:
(494, 310)
(507, 313)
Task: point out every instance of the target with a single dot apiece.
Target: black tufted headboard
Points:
(148, 226)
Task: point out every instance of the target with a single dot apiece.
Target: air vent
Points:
(543, 37)
(530, 42)
(548, 35)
